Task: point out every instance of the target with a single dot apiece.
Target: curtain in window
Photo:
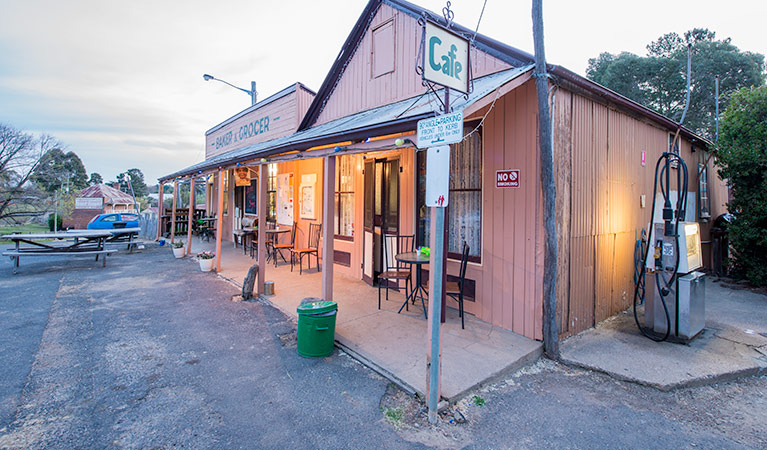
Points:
(465, 204)
(465, 210)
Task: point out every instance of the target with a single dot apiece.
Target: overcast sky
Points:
(120, 82)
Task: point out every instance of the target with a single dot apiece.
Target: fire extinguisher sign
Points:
(507, 178)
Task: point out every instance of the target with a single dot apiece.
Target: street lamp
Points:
(252, 92)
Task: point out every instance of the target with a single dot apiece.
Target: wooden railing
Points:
(182, 220)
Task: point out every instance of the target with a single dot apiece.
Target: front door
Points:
(381, 212)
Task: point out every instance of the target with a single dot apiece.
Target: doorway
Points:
(381, 212)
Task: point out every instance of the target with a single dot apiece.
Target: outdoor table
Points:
(418, 260)
(80, 242)
(248, 233)
(206, 230)
(275, 233)
(119, 236)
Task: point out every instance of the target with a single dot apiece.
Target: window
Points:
(251, 197)
(465, 205)
(344, 217)
(271, 193)
(382, 50)
(110, 218)
(704, 211)
(226, 193)
(671, 141)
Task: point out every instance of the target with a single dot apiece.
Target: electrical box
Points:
(663, 248)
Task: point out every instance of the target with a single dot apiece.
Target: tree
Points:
(57, 169)
(20, 154)
(659, 79)
(742, 159)
(137, 181)
(95, 179)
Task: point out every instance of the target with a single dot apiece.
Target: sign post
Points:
(437, 199)
(444, 61)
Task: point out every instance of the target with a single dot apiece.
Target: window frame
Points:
(456, 256)
(373, 74)
(337, 198)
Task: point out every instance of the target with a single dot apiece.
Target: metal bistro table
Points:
(83, 242)
(207, 230)
(418, 260)
(275, 233)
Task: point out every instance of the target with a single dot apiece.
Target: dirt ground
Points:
(735, 411)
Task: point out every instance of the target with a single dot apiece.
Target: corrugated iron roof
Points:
(399, 116)
(110, 195)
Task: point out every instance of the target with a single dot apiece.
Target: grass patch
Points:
(28, 228)
(477, 400)
(393, 415)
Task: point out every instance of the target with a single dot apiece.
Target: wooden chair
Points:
(313, 241)
(395, 271)
(454, 289)
(278, 248)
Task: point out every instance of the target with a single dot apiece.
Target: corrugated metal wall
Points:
(600, 179)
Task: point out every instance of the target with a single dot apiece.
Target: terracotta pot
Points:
(206, 265)
(179, 252)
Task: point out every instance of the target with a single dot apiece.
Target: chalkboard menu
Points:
(250, 197)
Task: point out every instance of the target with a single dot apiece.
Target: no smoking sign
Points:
(507, 178)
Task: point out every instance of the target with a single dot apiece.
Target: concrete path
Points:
(395, 343)
(733, 344)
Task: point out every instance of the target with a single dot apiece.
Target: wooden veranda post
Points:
(160, 211)
(550, 333)
(328, 216)
(173, 213)
(219, 218)
(263, 199)
(191, 217)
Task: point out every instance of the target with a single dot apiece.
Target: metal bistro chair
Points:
(395, 271)
(268, 245)
(455, 290)
(313, 246)
(278, 248)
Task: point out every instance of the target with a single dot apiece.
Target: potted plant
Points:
(206, 260)
(178, 249)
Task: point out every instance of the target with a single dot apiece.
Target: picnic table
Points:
(67, 243)
(119, 236)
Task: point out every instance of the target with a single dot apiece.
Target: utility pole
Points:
(550, 332)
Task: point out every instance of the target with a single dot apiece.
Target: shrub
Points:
(59, 221)
(742, 159)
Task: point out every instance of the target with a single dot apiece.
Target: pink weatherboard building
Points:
(344, 158)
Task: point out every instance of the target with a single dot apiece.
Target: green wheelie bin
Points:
(316, 328)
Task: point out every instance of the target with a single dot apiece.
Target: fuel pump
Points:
(675, 293)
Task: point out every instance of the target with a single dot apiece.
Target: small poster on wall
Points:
(285, 199)
(242, 176)
(308, 183)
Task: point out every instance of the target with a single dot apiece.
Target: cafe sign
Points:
(445, 58)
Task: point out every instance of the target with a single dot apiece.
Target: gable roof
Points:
(503, 52)
(110, 195)
(511, 55)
